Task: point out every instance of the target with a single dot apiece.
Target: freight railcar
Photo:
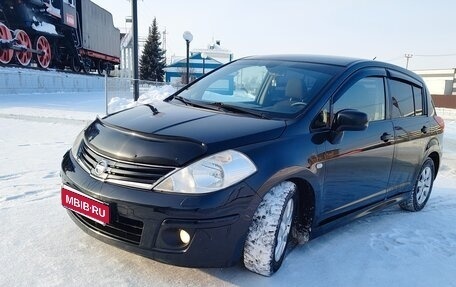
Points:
(57, 34)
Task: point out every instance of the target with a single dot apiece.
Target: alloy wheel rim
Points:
(284, 230)
(423, 186)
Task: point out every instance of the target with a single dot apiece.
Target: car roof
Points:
(320, 59)
(336, 61)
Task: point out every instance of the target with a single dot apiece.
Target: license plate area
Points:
(85, 205)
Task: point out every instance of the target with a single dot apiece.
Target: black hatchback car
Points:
(261, 152)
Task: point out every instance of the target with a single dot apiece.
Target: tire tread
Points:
(260, 243)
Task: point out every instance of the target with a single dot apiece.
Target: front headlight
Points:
(77, 144)
(210, 174)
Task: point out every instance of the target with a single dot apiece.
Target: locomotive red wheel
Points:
(42, 44)
(7, 54)
(22, 38)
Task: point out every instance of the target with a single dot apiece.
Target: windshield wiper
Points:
(182, 99)
(240, 110)
(219, 106)
(194, 104)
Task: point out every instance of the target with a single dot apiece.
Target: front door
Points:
(358, 165)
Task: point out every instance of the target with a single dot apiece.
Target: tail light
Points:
(440, 121)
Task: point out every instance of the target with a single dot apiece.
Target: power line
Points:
(421, 55)
(436, 55)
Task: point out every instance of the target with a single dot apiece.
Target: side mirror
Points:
(350, 120)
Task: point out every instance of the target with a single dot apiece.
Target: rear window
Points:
(418, 97)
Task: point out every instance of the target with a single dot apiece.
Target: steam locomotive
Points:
(57, 34)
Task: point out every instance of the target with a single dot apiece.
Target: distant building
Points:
(439, 82)
(442, 86)
(216, 52)
(126, 53)
(175, 73)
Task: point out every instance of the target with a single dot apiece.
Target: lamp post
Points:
(204, 56)
(188, 37)
(134, 8)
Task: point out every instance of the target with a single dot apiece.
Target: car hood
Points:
(175, 134)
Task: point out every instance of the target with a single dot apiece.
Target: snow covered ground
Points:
(41, 246)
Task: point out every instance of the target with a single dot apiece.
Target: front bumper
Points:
(148, 222)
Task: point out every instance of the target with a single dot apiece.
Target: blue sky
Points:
(384, 29)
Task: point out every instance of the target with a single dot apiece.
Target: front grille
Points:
(123, 228)
(120, 172)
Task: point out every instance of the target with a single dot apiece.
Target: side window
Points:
(402, 98)
(430, 104)
(418, 96)
(367, 96)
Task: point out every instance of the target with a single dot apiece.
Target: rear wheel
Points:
(7, 54)
(419, 196)
(269, 233)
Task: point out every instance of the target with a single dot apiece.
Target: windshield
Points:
(273, 88)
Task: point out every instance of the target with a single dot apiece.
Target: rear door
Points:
(411, 128)
(358, 166)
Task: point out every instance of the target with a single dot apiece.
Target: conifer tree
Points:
(152, 60)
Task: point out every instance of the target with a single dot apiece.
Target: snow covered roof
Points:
(195, 58)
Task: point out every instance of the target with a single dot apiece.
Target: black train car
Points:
(58, 33)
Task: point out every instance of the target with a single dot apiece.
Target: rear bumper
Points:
(149, 223)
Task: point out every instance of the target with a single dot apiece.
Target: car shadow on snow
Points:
(377, 248)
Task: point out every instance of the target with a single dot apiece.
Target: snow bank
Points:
(41, 246)
(45, 27)
(154, 94)
(46, 115)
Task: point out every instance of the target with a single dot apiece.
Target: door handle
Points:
(424, 129)
(386, 137)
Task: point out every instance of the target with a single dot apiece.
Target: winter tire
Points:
(269, 233)
(419, 196)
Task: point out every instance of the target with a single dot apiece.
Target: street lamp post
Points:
(204, 56)
(188, 37)
(134, 8)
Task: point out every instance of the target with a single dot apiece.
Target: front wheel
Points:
(419, 196)
(269, 233)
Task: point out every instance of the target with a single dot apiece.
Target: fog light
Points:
(184, 236)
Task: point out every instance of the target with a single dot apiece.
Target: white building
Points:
(216, 52)
(439, 82)
(126, 53)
